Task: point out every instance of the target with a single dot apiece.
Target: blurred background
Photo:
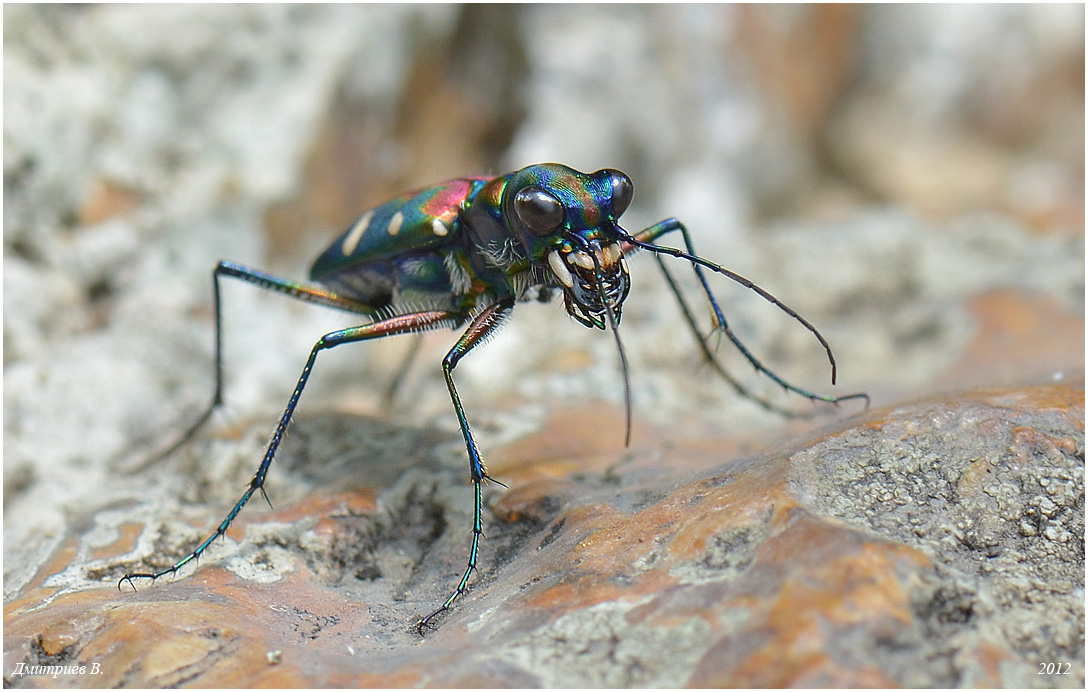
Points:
(909, 178)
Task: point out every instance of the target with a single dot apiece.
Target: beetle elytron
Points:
(466, 251)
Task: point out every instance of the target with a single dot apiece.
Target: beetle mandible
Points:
(466, 251)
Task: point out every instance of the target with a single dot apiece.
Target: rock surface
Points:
(947, 531)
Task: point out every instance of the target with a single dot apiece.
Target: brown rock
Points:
(939, 543)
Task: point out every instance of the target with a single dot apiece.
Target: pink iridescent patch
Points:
(447, 198)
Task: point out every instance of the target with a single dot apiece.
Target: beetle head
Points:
(568, 222)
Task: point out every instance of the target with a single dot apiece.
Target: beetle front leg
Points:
(646, 239)
(484, 325)
(712, 360)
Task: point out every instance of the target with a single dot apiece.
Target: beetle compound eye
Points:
(622, 192)
(541, 213)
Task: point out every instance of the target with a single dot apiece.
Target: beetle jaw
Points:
(583, 280)
(565, 263)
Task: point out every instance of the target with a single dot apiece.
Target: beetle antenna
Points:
(619, 347)
(615, 333)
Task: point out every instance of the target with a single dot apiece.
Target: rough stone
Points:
(842, 559)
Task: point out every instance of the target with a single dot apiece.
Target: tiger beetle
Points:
(466, 251)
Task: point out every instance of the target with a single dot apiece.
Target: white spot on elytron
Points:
(560, 269)
(439, 227)
(394, 224)
(351, 240)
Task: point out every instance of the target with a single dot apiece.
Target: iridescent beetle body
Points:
(457, 245)
(467, 251)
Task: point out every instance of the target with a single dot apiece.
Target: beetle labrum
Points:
(468, 250)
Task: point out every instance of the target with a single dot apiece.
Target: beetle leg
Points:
(389, 397)
(646, 240)
(483, 326)
(403, 324)
(266, 281)
(712, 360)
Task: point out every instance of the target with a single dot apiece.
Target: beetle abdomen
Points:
(413, 281)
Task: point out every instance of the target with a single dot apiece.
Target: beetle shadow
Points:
(340, 450)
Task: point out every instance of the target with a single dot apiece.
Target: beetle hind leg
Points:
(402, 324)
(268, 282)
